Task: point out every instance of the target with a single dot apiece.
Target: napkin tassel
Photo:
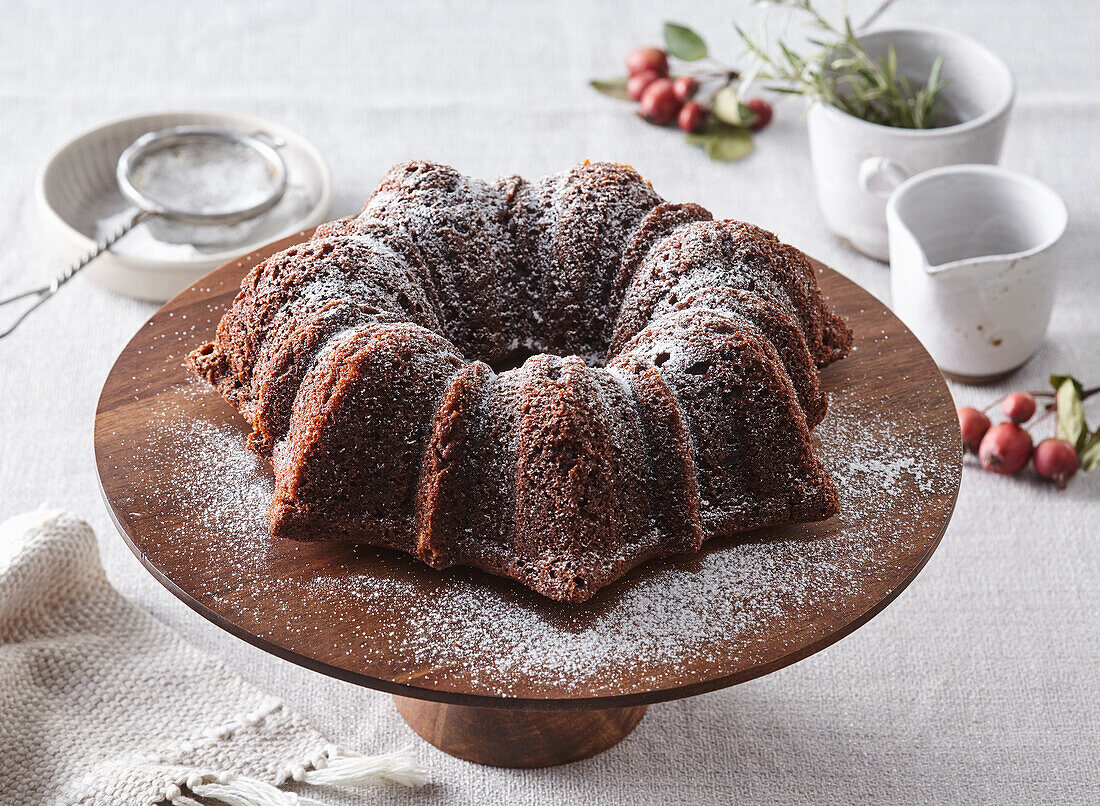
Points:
(336, 767)
(332, 767)
(232, 791)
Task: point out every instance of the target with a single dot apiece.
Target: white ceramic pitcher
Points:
(974, 265)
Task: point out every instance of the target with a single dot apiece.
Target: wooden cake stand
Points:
(482, 667)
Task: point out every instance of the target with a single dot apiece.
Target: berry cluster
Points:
(1007, 447)
(704, 98)
(663, 98)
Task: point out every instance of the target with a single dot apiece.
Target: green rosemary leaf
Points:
(934, 74)
(849, 32)
(840, 72)
(790, 55)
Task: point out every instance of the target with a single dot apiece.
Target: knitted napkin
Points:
(100, 703)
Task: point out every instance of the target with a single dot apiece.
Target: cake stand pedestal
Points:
(480, 666)
(505, 737)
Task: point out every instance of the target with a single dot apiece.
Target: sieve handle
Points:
(45, 292)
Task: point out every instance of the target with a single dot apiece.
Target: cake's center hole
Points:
(511, 360)
(515, 359)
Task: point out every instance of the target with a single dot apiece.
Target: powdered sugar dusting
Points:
(204, 472)
(200, 498)
(672, 621)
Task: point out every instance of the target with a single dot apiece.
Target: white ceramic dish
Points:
(76, 187)
(857, 164)
(974, 265)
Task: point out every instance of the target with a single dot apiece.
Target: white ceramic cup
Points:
(974, 265)
(858, 164)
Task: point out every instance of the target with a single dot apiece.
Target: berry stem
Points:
(714, 89)
(728, 75)
(1049, 411)
(1085, 395)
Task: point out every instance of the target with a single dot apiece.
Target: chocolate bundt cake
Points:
(553, 380)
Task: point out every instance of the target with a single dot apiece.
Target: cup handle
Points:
(880, 176)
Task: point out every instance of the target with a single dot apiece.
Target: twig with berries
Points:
(1007, 447)
(703, 101)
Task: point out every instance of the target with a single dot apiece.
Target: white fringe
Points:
(180, 799)
(343, 768)
(232, 791)
(332, 767)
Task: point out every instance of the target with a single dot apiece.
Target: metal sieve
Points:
(187, 180)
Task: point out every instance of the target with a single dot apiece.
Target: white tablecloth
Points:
(979, 684)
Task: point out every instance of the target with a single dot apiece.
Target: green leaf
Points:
(727, 107)
(1058, 380)
(684, 43)
(1090, 454)
(729, 146)
(721, 141)
(1071, 414)
(613, 87)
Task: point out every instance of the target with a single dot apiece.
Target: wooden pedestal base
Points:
(513, 737)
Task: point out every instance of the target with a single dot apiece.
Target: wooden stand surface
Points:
(295, 600)
(508, 737)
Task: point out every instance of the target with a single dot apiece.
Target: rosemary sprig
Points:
(841, 73)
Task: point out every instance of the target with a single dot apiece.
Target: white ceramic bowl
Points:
(857, 164)
(76, 186)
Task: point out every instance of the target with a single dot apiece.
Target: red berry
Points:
(647, 59)
(659, 104)
(974, 424)
(1005, 448)
(763, 111)
(638, 82)
(684, 87)
(1056, 459)
(692, 117)
(1018, 407)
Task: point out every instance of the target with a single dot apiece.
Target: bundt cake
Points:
(550, 380)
